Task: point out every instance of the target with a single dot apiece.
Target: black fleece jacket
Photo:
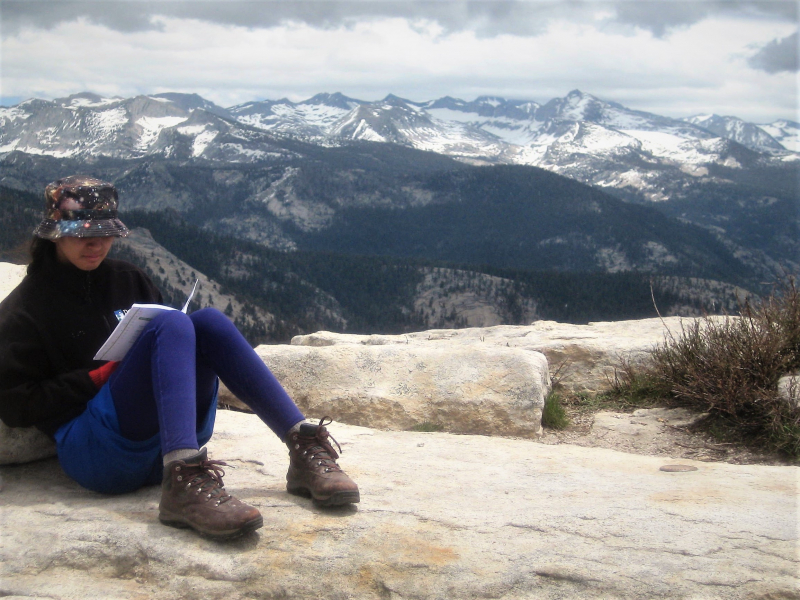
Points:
(51, 326)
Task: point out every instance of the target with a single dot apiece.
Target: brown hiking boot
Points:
(193, 495)
(313, 471)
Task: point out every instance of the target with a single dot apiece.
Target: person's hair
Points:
(40, 249)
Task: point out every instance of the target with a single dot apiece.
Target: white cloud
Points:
(699, 67)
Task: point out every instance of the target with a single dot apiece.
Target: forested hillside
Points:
(378, 294)
(520, 217)
(306, 291)
(385, 200)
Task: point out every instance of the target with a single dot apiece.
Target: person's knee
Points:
(174, 322)
(210, 319)
(209, 312)
(171, 317)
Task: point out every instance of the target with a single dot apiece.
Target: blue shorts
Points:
(93, 452)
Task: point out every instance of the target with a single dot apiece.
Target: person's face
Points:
(85, 253)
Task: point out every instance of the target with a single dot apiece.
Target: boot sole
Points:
(335, 499)
(180, 523)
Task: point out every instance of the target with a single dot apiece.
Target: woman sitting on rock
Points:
(122, 425)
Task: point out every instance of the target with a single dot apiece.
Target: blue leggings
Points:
(167, 382)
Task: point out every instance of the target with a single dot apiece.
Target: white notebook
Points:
(128, 329)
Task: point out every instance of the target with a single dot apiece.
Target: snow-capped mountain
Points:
(605, 144)
(311, 119)
(580, 136)
(400, 121)
(736, 129)
(170, 125)
(787, 133)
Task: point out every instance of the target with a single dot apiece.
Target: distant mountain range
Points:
(580, 136)
(445, 179)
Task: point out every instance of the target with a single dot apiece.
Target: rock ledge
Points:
(442, 516)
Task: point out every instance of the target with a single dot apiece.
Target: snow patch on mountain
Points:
(576, 107)
(318, 114)
(738, 130)
(201, 140)
(107, 122)
(9, 115)
(191, 129)
(676, 148)
(596, 139)
(313, 117)
(787, 133)
(509, 130)
(239, 153)
(642, 181)
(363, 131)
(512, 132)
(689, 154)
(88, 102)
(451, 138)
(151, 127)
(259, 121)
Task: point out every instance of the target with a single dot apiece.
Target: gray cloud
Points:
(777, 56)
(129, 15)
(484, 17)
(118, 15)
(660, 17)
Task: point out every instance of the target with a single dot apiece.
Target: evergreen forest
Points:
(371, 294)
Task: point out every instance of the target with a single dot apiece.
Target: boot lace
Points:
(318, 448)
(206, 478)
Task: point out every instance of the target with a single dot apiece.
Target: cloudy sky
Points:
(672, 57)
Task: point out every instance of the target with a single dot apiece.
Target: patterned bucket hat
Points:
(80, 206)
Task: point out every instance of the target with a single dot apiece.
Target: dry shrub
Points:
(782, 311)
(730, 367)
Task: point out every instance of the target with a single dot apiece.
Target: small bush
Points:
(553, 414)
(782, 312)
(634, 385)
(730, 367)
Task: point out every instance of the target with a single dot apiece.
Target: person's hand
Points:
(101, 374)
